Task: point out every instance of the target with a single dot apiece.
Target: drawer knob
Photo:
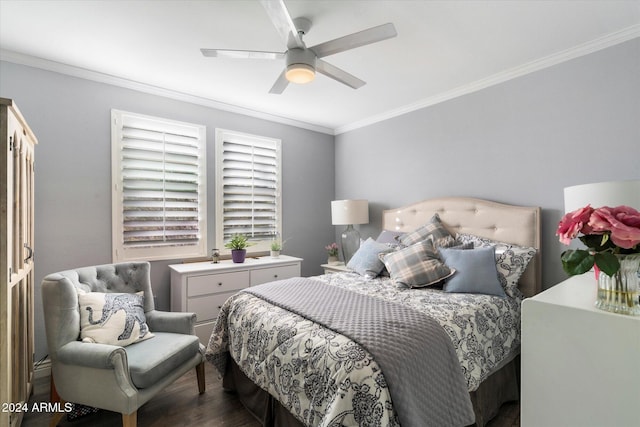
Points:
(275, 275)
(219, 283)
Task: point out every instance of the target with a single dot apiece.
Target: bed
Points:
(290, 370)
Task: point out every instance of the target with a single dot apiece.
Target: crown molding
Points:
(83, 73)
(604, 42)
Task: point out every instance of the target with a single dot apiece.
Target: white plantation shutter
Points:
(158, 188)
(248, 187)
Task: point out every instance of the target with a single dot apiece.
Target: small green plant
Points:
(276, 245)
(237, 242)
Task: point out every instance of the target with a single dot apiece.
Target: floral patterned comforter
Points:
(326, 379)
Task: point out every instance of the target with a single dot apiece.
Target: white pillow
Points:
(112, 318)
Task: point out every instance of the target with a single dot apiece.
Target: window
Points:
(248, 188)
(159, 188)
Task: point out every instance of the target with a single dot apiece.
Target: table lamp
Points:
(349, 212)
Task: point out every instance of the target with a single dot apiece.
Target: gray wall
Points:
(71, 118)
(519, 142)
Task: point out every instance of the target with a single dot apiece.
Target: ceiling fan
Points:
(302, 62)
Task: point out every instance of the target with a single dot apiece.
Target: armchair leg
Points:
(54, 397)
(200, 375)
(55, 419)
(53, 393)
(130, 420)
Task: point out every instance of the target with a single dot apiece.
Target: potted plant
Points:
(332, 253)
(238, 245)
(276, 247)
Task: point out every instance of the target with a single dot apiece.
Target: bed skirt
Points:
(500, 387)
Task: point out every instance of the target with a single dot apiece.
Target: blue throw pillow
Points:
(511, 260)
(366, 261)
(475, 271)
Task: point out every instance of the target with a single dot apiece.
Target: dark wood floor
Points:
(181, 405)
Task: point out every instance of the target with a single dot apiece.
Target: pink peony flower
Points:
(623, 222)
(628, 215)
(332, 249)
(607, 232)
(573, 223)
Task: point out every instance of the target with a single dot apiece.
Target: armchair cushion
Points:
(152, 360)
(112, 318)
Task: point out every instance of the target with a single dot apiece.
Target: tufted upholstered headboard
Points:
(506, 223)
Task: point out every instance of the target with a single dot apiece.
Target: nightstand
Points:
(580, 365)
(334, 268)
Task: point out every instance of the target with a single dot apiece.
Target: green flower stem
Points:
(619, 292)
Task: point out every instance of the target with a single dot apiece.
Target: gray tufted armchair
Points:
(115, 378)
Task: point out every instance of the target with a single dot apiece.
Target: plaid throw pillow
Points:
(433, 230)
(416, 266)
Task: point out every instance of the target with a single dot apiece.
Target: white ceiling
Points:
(443, 49)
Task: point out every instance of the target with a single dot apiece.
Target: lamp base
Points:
(350, 243)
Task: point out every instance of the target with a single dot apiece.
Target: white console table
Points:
(202, 287)
(580, 365)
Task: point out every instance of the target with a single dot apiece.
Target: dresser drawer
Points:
(207, 307)
(214, 283)
(264, 275)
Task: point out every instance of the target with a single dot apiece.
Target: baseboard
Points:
(43, 369)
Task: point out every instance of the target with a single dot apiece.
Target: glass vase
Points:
(350, 243)
(620, 293)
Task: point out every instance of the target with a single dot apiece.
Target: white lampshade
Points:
(345, 212)
(613, 193)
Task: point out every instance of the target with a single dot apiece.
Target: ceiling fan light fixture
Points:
(302, 62)
(300, 73)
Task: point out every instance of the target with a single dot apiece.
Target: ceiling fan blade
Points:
(361, 38)
(241, 54)
(280, 85)
(338, 74)
(283, 22)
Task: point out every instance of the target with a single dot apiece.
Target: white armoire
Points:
(16, 263)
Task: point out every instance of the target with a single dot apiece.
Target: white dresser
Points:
(580, 365)
(202, 287)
